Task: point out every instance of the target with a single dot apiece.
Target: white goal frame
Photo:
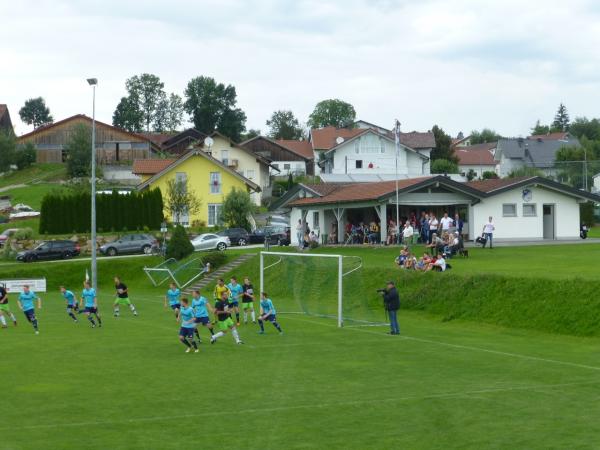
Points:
(340, 259)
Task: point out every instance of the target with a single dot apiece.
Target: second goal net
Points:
(323, 285)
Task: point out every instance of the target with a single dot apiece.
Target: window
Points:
(509, 210)
(529, 210)
(225, 157)
(214, 214)
(250, 174)
(181, 179)
(315, 219)
(382, 145)
(275, 166)
(358, 163)
(357, 146)
(286, 167)
(215, 182)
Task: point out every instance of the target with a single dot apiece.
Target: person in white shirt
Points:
(407, 233)
(446, 223)
(488, 230)
(433, 226)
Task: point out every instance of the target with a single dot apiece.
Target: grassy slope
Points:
(32, 195)
(37, 172)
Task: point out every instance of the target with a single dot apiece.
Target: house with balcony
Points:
(286, 156)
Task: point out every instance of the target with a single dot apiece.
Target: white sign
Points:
(13, 286)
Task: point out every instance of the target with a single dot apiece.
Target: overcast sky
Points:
(462, 64)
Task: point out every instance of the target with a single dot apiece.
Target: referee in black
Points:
(391, 302)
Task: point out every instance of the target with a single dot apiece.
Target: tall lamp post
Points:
(93, 82)
(397, 135)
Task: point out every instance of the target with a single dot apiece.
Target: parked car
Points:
(50, 250)
(278, 235)
(6, 234)
(130, 243)
(237, 236)
(210, 241)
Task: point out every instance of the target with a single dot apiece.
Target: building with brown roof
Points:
(526, 208)
(478, 158)
(286, 156)
(5, 122)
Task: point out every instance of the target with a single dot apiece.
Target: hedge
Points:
(71, 213)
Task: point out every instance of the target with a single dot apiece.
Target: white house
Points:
(596, 183)
(525, 209)
(286, 156)
(478, 158)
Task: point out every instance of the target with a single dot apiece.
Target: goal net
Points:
(323, 285)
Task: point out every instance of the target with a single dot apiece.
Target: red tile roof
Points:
(358, 192)
(488, 186)
(325, 138)
(476, 155)
(150, 166)
(157, 138)
(557, 136)
(302, 148)
(417, 140)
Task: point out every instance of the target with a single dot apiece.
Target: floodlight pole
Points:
(397, 135)
(93, 82)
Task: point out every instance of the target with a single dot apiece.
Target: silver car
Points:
(131, 243)
(210, 241)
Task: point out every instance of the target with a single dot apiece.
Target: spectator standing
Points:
(459, 224)
(433, 226)
(488, 231)
(424, 227)
(391, 302)
(407, 233)
(446, 222)
(300, 233)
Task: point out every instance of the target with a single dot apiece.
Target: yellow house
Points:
(210, 179)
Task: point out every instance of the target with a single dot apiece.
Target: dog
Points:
(463, 252)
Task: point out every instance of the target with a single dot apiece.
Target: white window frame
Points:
(216, 214)
(534, 213)
(514, 206)
(287, 167)
(225, 157)
(215, 188)
(250, 174)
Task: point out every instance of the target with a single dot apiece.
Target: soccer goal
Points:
(317, 284)
(182, 275)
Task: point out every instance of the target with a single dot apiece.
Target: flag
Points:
(397, 132)
(87, 275)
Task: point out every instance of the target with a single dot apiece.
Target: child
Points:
(267, 312)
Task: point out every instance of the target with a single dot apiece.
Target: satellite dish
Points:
(339, 140)
(209, 141)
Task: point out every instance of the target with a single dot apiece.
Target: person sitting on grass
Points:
(420, 265)
(453, 246)
(438, 264)
(402, 257)
(436, 244)
(410, 262)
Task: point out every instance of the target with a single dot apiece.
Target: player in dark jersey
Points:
(122, 297)
(248, 300)
(224, 320)
(5, 308)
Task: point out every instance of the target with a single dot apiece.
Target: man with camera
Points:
(391, 303)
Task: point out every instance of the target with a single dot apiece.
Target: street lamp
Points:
(93, 82)
(397, 136)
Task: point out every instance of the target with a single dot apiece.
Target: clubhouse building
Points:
(523, 209)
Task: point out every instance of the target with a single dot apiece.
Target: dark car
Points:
(237, 236)
(50, 250)
(278, 235)
(131, 243)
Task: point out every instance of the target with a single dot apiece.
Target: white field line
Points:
(315, 405)
(464, 347)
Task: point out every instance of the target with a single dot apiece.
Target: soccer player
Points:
(5, 308)
(201, 307)
(248, 300)
(173, 294)
(186, 332)
(267, 312)
(219, 289)
(25, 301)
(224, 318)
(122, 297)
(236, 292)
(91, 304)
(72, 306)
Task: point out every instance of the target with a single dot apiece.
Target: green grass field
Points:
(441, 384)
(35, 173)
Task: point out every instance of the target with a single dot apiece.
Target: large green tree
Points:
(212, 106)
(284, 125)
(35, 112)
(584, 127)
(148, 90)
(332, 112)
(561, 119)
(7, 150)
(443, 146)
(237, 207)
(169, 114)
(483, 136)
(79, 152)
(181, 200)
(444, 166)
(251, 133)
(128, 114)
(539, 129)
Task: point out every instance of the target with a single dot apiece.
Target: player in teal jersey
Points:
(173, 294)
(25, 301)
(88, 295)
(234, 299)
(201, 308)
(188, 325)
(72, 306)
(267, 312)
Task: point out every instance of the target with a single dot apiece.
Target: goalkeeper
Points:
(267, 312)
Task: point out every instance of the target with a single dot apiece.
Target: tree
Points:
(569, 161)
(444, 166)
(471, 175)
(212, 106)
(561, 119)
(148, 91)
(25, 156)
(181, 200)
(483, 136)
(539, 129)
(79, 153)
(237, 207)
(175, 112)
(128, 115)
(7, 150)
(284, 125)
(35, 112)
(179, 246)
(443, 146)
(583, 127)
(250, 134)
(332, 112)
(489, 175)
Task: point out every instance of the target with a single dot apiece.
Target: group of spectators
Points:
(363, 233)
(425, 263)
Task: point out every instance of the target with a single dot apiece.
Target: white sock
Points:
(3, 320)
(13, 318)
(218, 335)
(236, 335)
(117, 310)
(253, 316)
(132, 308)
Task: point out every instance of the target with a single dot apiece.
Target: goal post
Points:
(279, 260)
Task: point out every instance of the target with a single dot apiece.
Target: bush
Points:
(216, 259)
(26, 156)
(443, 166)
(179, 246)
(24, 234)
(489, 175)
(236, 208)
(6, 252)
